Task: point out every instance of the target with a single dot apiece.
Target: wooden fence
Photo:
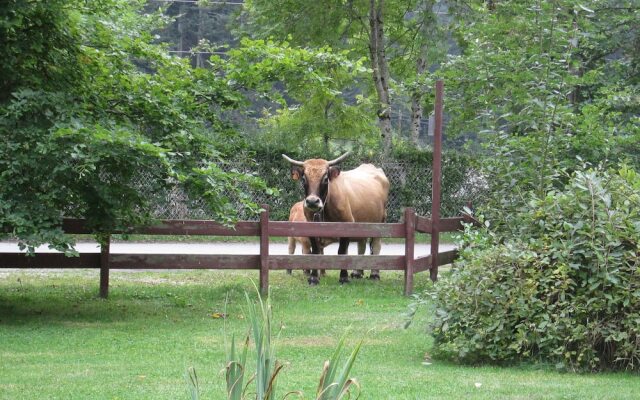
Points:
(264, 229)
(264, 262)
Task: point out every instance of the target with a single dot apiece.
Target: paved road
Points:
(421, 249)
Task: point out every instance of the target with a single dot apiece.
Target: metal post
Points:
(409, 242)
(264, 250)
(436, 178)
(105, 244)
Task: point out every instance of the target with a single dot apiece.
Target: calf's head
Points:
(315, 175)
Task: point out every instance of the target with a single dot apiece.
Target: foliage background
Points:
(571, 94)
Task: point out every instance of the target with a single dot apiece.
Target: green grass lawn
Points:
(59, 341)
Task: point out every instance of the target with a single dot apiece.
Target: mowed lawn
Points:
(59, 341)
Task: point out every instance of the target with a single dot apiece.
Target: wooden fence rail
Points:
(264, 262)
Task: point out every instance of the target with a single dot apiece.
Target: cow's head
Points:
(315, 175)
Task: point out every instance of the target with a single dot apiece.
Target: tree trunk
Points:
(416, 103)
(182, 29)
(199, 56)
(380, 71)
(432, 48)
(574, 68)
(325, 133)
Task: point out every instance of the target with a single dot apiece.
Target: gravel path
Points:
(421, 249)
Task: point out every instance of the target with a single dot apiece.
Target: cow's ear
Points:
(296, 173)
(334, 172)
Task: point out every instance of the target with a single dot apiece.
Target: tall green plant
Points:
(235, 369)
(334, 384)
(267, 366)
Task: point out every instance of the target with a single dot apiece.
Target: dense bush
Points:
(565, 290)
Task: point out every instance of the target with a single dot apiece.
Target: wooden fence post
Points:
(409, 242)
(264, 250)
(436, 179)
(105, 244)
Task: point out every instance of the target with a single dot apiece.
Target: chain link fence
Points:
(410, 186)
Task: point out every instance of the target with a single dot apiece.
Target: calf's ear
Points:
(334, 172)
(296, 173)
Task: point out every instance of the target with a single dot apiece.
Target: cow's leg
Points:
(315, 249)
(344, 249)
(306, 249)
(292, 249)
(376, 244)
(323, 272)
(362, 247)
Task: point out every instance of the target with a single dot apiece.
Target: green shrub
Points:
(564, 289)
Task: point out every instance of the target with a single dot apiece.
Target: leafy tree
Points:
(545, 83)
(193, 23)
(304, 88)
(400, 38)
(88, 105)
(427, 46)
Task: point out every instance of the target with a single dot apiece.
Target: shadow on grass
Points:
(72, 297)
(62, 303)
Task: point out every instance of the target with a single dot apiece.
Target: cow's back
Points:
(367, 189)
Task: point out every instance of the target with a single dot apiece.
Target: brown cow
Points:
(296, 214)
(358, 195)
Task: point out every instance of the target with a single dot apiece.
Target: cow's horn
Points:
(292, 161)
(337, 160)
